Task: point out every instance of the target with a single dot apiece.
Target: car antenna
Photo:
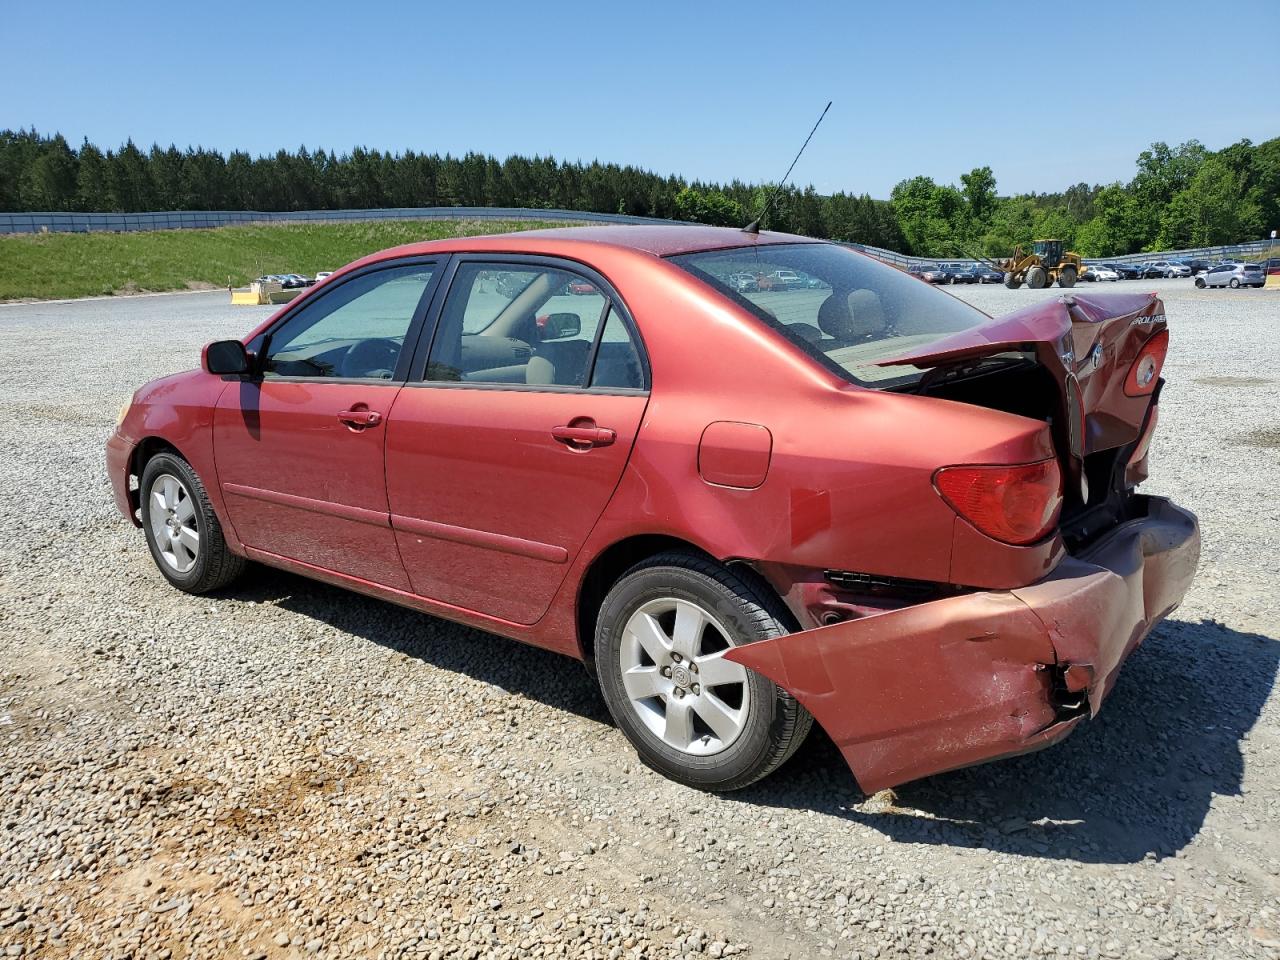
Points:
(754, 225)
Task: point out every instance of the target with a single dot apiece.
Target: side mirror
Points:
(225, 357)
(554, 326)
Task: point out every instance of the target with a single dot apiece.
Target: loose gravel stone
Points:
(287, 769)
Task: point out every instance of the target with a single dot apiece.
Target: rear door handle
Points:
(360, 418)
(584, 436)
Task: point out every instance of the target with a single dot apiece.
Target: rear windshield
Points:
(848, 311)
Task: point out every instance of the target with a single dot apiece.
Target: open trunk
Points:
(1070, 362)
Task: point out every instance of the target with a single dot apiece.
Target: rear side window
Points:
(531, 325)
(847, 310)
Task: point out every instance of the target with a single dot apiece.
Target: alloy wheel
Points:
(172, 517)
(677, 680)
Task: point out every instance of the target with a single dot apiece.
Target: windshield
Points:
(849, 311)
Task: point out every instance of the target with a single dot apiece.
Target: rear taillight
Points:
(1145, 372)
(1016, 504)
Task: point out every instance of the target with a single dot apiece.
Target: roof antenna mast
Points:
(754, 225)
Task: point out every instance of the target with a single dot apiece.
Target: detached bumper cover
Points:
(971, 678)
(119, 453)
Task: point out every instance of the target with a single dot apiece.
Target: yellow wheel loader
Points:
(1046, 264)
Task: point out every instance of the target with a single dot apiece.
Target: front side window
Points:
(848, 311)
(526, 324)
(354, 331)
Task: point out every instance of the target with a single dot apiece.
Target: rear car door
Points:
(506, 446)
(299, 448)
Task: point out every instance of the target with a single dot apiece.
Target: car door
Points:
(506, 447)
(299, 448)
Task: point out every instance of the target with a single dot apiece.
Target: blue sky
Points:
(708, 90)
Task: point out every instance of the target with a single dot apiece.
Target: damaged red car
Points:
(853, 499)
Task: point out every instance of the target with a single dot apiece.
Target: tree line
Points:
(1180, 197)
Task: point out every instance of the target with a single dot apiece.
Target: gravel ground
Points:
(292, 770)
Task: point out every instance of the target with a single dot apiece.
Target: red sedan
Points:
(861, 502)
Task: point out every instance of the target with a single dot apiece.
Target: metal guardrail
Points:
(206, 219)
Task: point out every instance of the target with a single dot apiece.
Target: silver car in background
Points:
(1233, 275)
(1172, 268)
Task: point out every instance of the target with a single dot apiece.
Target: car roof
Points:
(660, 240)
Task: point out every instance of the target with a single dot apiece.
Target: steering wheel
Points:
(375, 357)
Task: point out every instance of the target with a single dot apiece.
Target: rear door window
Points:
(532, 325)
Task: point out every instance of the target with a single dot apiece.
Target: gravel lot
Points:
(292, 770)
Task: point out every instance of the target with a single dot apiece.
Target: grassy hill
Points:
(63, 265)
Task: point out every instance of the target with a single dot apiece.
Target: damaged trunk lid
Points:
(1072, 362)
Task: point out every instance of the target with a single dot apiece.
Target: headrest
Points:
(835, 319)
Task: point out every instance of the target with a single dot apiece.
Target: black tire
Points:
(214, 566)
(1067, 278)
(1200, 283)
(775, 725)
(1235, 283)
(1037, 278)
(1011, 281)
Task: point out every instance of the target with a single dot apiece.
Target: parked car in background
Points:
(1127, 271)
(1272, 265)
(1098, 271)
(786, 280)
(1172, 269)
(792, 519)
(989, 274)
(1233, 275)
(962, 273)
(1150, 271)
(1198, 266)
(930, 272)
(744, 282)
(323, 275)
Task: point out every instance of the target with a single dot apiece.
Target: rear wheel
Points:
(1011, 281)
(1200, 282)
(1235, 283)
(1037, 278)
(693, 716)
(1067, 278)
(182, 530)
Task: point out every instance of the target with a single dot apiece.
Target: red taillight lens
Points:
(1016, 504)
(1145, 372)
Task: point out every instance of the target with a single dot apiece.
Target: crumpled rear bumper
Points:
(971, 678)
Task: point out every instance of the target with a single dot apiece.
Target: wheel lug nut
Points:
(666, 672)
(696, 689)
(675, 657)
(693, 667)
(679, 692)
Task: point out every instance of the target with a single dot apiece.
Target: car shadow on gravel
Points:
(1136, 782)
(538, 674)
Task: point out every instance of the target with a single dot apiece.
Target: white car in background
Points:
(323, 275)
(1100, 272)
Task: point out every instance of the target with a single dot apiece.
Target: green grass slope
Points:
(64, 265)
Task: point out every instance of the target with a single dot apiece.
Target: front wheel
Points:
(1067, 278)
(1200, 282)
(182, 530)
(1235, 283)
(692, 715)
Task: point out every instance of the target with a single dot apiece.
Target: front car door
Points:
(505, 449)
(299, 450)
